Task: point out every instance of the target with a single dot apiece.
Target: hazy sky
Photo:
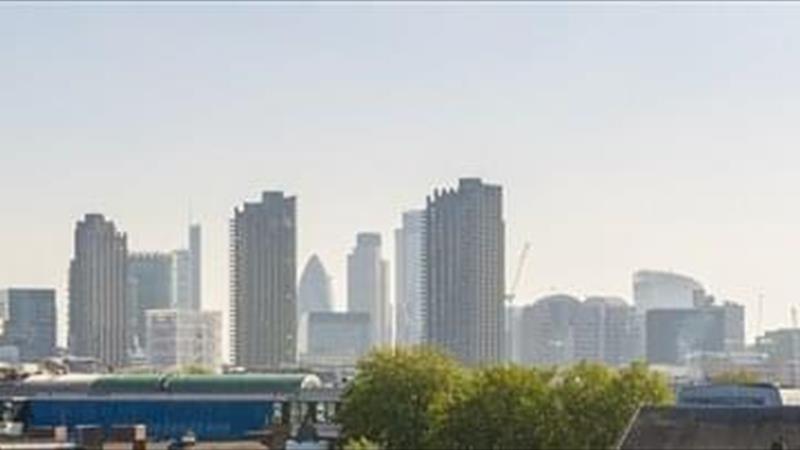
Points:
(625, 135)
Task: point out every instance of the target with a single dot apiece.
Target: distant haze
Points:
(625, 135)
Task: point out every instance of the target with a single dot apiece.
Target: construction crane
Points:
(523, 257)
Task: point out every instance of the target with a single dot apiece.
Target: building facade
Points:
(264, 282)
(195, 267)
(409, 284)
(606, 331)
(367, 286)
(337, 338)
(181, 279)
(150, 287)
(548, 330)
(179, 338)
(675, 335)
(98, 326)
(561, 329)
(663, 290)
(187, 273)
(314, 294)
(465, 271)
(29, 322)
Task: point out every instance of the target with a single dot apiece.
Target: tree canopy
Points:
(735, 377)
(396, 397)
(419, 398)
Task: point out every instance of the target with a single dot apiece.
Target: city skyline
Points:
(626, 137)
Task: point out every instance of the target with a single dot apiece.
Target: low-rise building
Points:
(178, 338)
(673, 335)
(28, 323)
(337, 338)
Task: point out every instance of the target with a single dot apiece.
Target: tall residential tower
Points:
(264, 282)
(97, 292)
(465, 271)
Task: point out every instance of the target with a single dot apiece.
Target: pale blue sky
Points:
(626, 135)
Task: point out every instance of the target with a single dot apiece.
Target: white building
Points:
(178, 338)
(409, 279)
(663, 290)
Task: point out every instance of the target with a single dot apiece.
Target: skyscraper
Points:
(150, 287)
(314, 295)
(97, 291)
(367, 286)
(264, 282)
(409, 278)
(29, 322)
(187, 273)
(181, 279)
(195, 268)
(465, 271)
(314, 292)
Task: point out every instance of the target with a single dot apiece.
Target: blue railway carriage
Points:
(165, 418)
(213, 407)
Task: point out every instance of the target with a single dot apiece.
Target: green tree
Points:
(735, 377)
(593, 404)
(360, 444)
(396, 396)
(502, 408)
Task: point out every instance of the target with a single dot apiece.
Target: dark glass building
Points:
(30, 322)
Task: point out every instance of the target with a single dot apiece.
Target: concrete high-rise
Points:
(98, 275)
(150, 287)
(29, 322)
(264, 282)
(367, 286)
(465, 271)
(409, 278)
